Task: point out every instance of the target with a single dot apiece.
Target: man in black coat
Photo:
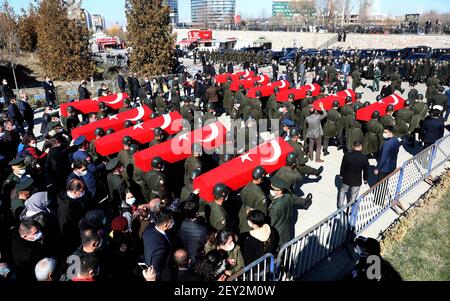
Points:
(433, 128)
(130, 85)
(121, 82)
(26, 111)
(181, 258)
(6, 92)
(49, 88)
(353, 164)
(158, 250)
(15, 115)
(83, 92)
(274, 71)
(136, 86)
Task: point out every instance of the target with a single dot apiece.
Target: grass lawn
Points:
(424, 252)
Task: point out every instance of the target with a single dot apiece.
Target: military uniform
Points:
(402, 120)
(330, 128)
(302, 159)
(354, 131)
(374, 137)
(356, 80)
(190, 165)
(156, 184)
(420, 112)
(280, 212)
(253, 198)
(218, 218)
(116, 186)
(396, 82)
(161, 105)
(227, 97)
(387, 120)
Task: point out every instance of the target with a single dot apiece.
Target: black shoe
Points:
(326, 153)
(319, 171)
(309, 197)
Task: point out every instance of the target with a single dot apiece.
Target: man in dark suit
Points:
(184, 273)
(26, 111)
(433, 128)
(83, 92)
(387, 161)
(136, 86)
(158, 250)
(6, 92)
(121, 82)
(130, 85)
(49, 88)
(15, 115)
(353, 164)
(192, 233)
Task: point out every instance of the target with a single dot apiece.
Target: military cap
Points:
(53, 124)
(24, 184)
(375, 115)
(210, 106)
(309, 93)
(358, 95)
(158, 131)
(127, 124)
(18, 162)
(278, 182)
(110, 131)
(197, 148)
(259, 173)
(127, 140)
(100, 132)
(292, 96)
(112, 164)
(348, 99)
(407, 103)
(79, 141)
(336, 104)
(288, 122)
(322, 89)
(102, 105)
(54, 114)
(153, 115)
(294, 132)
(227, 157)
(367, 103)
(357, 107)
(221, 191)
(379, 98)
(70, 109)
(134, 148)
(157, 162)
(258, 94)
(276, 89)
(291, 158)
(390, 108)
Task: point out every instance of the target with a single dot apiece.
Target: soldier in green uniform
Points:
(358, 101)
(253, 198)
(388, 120)
(124, 157)
(209, 116)
(71, 121)
(282, 206)
(103, 112)
(432, 84)
(136, 175)
(377, 74)
(23, 190)
(396, 82)
(116, 184)
(322, 93)
(156, 181)
(126, 105)
(99, 133)
(256, 106)
(403, 118)
(420, 109)
(305, 102)
(272, 105)
(356, 79)
(290, 174)
(158, 135)
(193, 162)
(354, 130)
(374, 136)
(413, 93)
(161, 104)
(302, 118)
(18, 174)
(227, 96)
(218, 218)
(302, 159)
(439, 101)
(330, 128)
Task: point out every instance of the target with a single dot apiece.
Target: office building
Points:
(212, 13)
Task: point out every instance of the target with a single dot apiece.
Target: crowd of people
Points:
(68, 213)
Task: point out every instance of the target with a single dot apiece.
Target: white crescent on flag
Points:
(214, 133)
(246, 73)
(95, 99)
(313, 88)
(276, 152)
(140, 114)
(395, 99)
(283, 85)
(167, 121)
(261, 79)
(348, 93)
(117, 100)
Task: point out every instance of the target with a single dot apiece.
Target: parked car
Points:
(437, 53)
(445, 57)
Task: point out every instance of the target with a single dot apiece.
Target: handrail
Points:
(329, 42)
(248, 274)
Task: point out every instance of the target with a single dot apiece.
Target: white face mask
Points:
(130, 201)
(230, 247)
(34, 145)
(21, 172)
(82, 194)
(37, 236)
(386, 136)
(273, 193)
(83, 173)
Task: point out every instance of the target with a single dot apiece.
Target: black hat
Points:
(336, 104)
(368, 246)
(112, 164)
(278, 182)
(157, 163)
(79, 141)
(291, 158)
(24, 184)
(294, 132)
(375, 115)
(18, 162)
(54, 114)
(134, 148)
(110, 131)
(158, 131)
(100, 132)
(221, 191)
(195, 173)
(127, 140)
(128, 124)
(259, 173)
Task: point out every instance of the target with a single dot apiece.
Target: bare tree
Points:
(327, 12)
(364, 9)
(9, 38)
(306, 9)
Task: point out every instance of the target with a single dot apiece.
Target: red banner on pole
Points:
(87, 106)
(365, 114)
(115, 122)
(238, 172)
(179, 148)
(142, 133)
(299, 93)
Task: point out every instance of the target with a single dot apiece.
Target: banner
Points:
(340, 96)
(115, 122)
(87, 106)
(365, 114)
(142, 133)
(238, 172)
(179, 148)
(268, 89)
(250, 82)
(223, 78)
(299, 93)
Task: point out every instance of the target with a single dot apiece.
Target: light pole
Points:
(343, 14)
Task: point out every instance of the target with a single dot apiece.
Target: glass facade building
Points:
(173, 11)
(209, 13)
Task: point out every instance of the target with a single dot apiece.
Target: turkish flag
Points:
(223, 78)
(179, 148)
(115, 122)
(250, 82)
(340, 96)
(238, 172)
(365, 114)
(299, 93)
(142, 133)
(268, 89)
(87, 106)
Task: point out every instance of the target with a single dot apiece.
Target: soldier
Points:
(103, 112)
(388, 120)
(272, 105)
(72, 120)
(218, 218)
(161, 104)
(342, 126)
(193, 162)
(322, 93)
(356, 80)
(188, 189)
(227, 96)
(99, 133)
(23, 192)
(289, 172)
(305, 112)
(135, 175)
(304, 102)
(116, 184)
(432, 84)
(358, 101)
(403, 119)
(19, 173)
(158, 137)
(209, 116)
(302, 159)
(396, 82)
(124, 157)
(253, 198)
(256, 106)
(126, 105)
(354, 129)
(413, 93)
(376, 79)
(127, 124)
(156, 181)
(282, 206)
(374, 136)
(439, 101)
(420, 109)
(330, 129)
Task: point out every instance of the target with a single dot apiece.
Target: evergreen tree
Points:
(27, 28)
(63, 44)
(150, 36)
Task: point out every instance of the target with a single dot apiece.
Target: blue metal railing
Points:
(261, 269)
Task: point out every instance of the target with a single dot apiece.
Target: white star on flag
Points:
(95, 99)
(113, 117)
(184, 137)
(246, 157)
(269, 85)
(138, 126)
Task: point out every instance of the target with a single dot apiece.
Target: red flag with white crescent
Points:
(250, 82)
(299, 93)
(238, 172)
(87, 106)
(268, 90)
(222, 78)
(340, 97)
(179, 148)
(115, 122)
(365, 114)
(142, 133)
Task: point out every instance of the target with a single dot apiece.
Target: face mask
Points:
(34, 145)
(385, 136)
(130, 201)
(21, 172)
(83, 173)
(37, 236)
(273, 193)
(82, 195)
(230, 247)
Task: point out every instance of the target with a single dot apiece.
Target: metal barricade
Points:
(261, 269)
(299, 256)
(375, 201)
(442, 152)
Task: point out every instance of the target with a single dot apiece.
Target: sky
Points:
(113, 10)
